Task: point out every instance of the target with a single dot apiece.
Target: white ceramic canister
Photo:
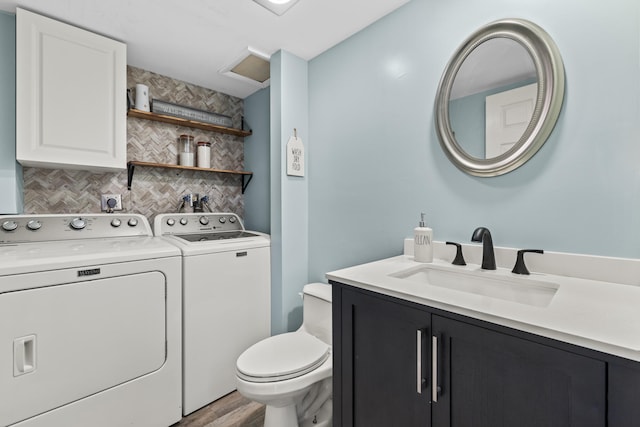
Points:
(204, 154)
(142, 97)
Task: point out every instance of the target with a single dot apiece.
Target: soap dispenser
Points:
(422, 242)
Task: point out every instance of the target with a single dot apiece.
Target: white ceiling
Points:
(191, 40)
(495, 63)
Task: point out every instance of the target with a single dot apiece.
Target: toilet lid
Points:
(282, 357)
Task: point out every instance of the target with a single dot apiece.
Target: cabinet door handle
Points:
(434, 369)
(419, 361)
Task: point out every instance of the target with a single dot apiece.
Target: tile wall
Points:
(154, 190)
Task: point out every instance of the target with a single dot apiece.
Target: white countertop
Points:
(595, 314)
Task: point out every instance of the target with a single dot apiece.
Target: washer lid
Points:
(282, 357)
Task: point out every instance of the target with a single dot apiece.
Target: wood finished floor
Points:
(232, 410)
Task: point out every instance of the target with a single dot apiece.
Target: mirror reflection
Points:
(493, 98)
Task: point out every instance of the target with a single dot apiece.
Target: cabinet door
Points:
(384, 363)
(71, 96)
(491, 379)
(624, 395)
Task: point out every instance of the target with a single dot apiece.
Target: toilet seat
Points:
(282, 357)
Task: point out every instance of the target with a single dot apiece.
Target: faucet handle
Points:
(520, 267)
(459, 259)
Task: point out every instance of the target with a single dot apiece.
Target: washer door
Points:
(59, 344)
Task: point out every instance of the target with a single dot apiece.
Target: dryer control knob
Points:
(78, 223)
(34, 225)
(9, 225)
(204, 220)
(171, 222)
(132, 222)
(232, 219)
(183, 221)
(116, 222)
(222, 220)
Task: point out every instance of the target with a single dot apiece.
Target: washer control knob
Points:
(232, 219)
(78, 223)
(171, 222)
(204, 220)
(34, 225)
(222, 220)
(132, 222)
(9, 225)
(184, 221)
(116, 222)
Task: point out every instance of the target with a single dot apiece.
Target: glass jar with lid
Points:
(185, 150)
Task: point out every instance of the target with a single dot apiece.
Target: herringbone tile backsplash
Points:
(154, 190)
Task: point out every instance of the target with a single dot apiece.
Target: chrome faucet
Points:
(482, 234)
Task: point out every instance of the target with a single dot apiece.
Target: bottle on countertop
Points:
(422, 242)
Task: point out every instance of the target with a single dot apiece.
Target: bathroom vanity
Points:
(412, 348)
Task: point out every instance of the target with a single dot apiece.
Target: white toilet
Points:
(291, 373)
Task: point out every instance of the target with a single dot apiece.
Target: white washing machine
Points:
(226, 291)
(90, 312)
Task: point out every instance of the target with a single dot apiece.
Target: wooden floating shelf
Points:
(188, 123)
(131, 165)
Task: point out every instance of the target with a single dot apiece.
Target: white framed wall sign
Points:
(295, 156)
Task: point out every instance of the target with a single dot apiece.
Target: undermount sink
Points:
(509, 287)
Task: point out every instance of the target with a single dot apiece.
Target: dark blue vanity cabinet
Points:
(389, 354)
(623, 393)
(490, 378)
(380, 381)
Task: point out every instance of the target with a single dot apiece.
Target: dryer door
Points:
(61, 343)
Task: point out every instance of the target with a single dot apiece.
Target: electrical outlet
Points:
(106, 201)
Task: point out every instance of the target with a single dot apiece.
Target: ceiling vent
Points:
(251, 67)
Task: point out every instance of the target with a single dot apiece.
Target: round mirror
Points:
(499, 97)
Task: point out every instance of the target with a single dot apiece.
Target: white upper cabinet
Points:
(71, 96)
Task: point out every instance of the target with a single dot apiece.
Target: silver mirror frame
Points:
(550, 72)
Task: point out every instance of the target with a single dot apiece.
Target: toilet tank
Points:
(316, 314)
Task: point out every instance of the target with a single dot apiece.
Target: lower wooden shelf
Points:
(131, 165)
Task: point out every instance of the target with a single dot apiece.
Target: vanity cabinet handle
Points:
(419, 345)
(434, 369)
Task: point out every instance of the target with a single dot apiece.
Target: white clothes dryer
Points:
(226, 285)
(90, 312)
